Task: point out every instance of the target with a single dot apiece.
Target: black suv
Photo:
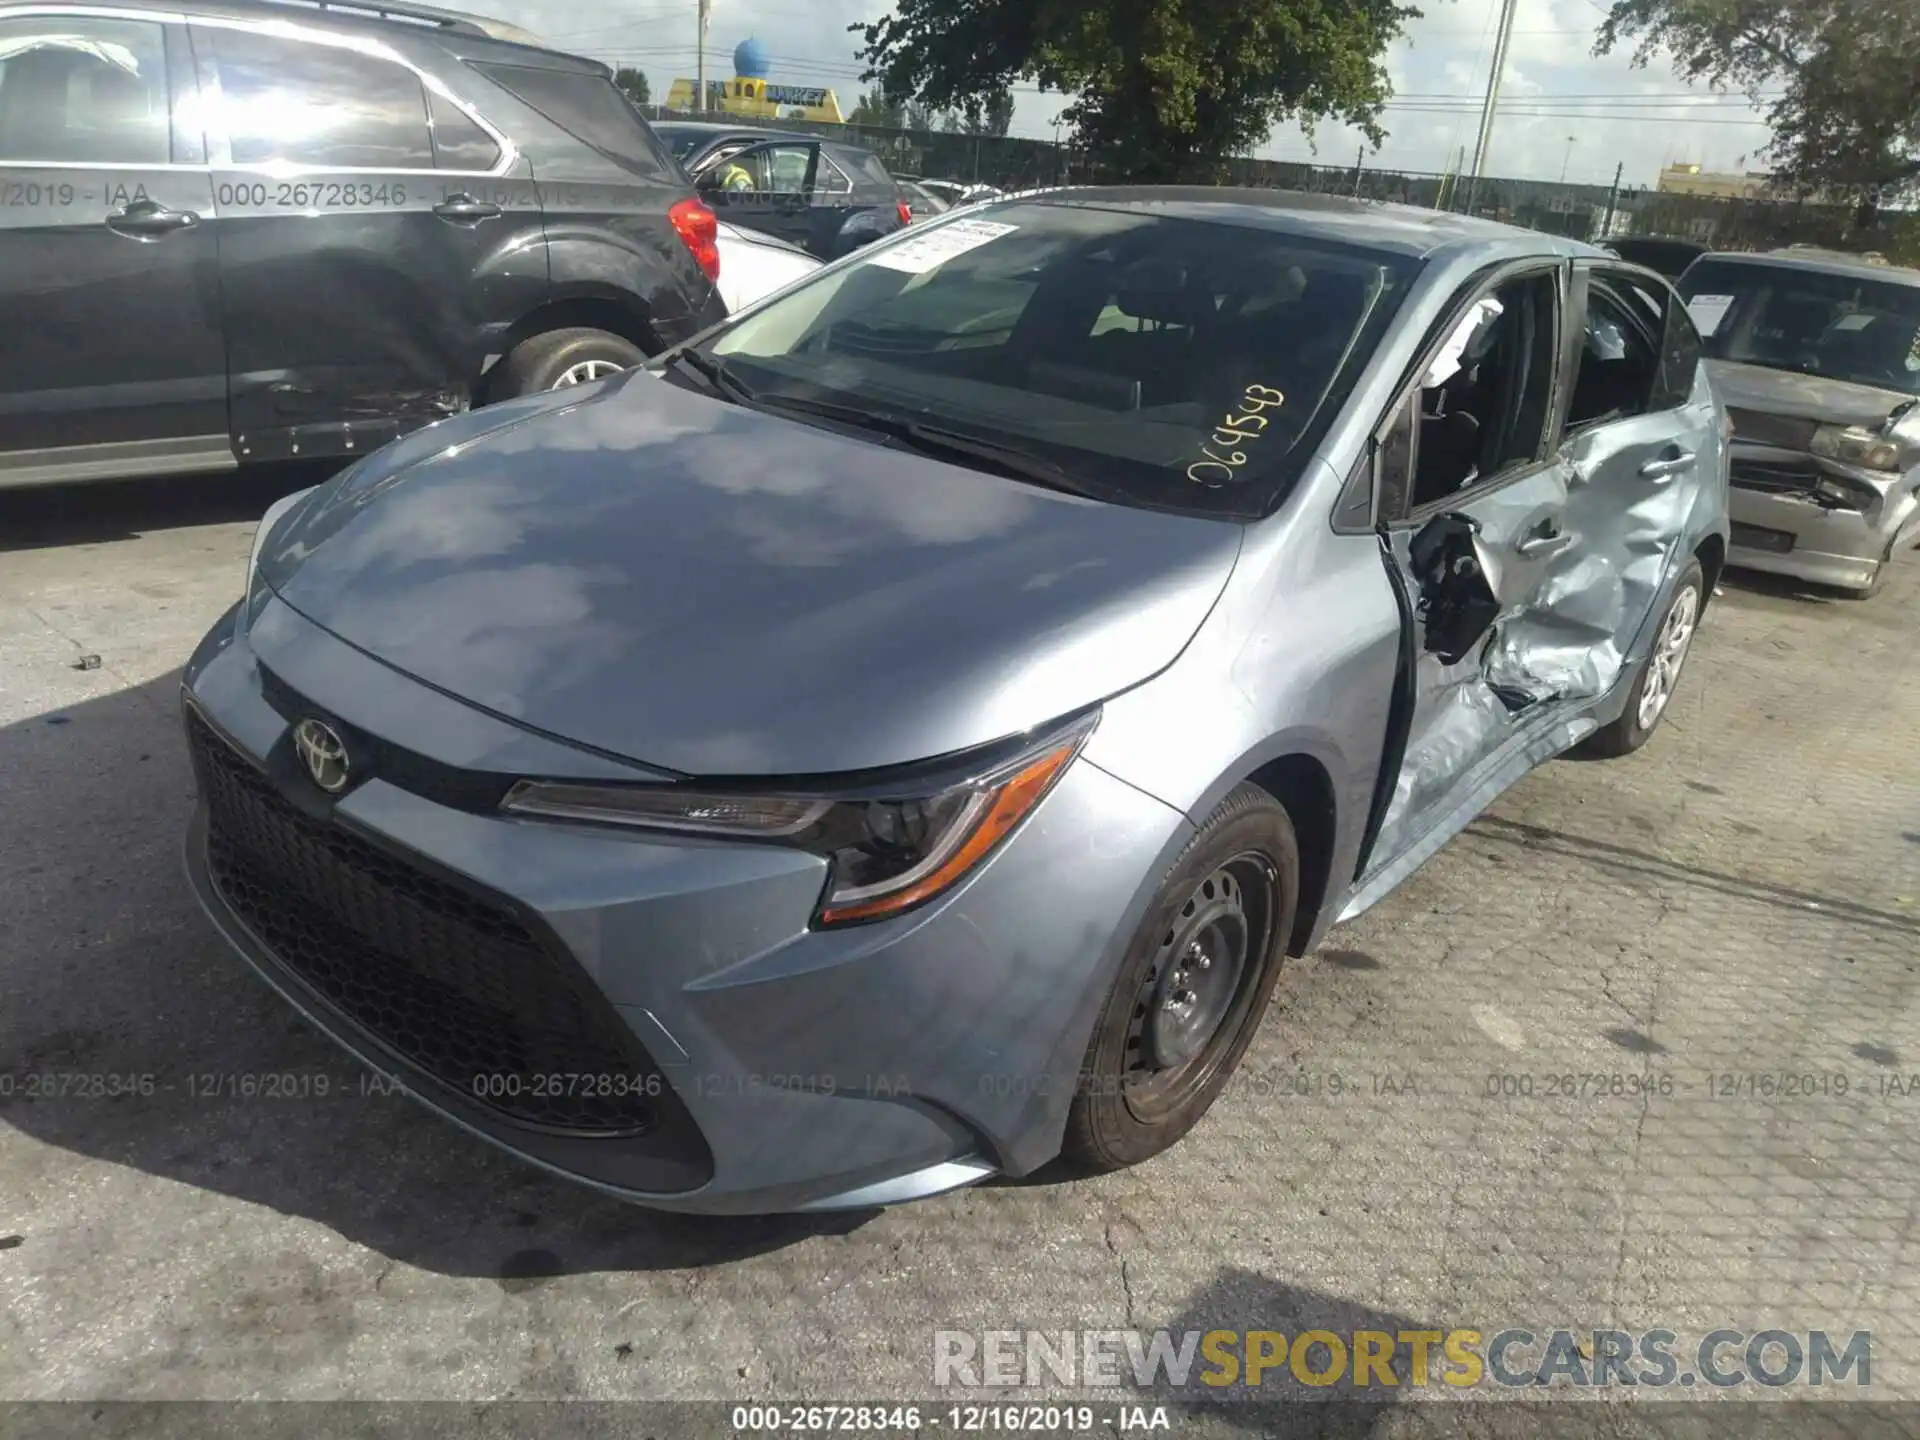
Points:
(238, 230)
(826, 196)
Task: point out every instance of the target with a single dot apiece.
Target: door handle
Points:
(1543, 543)
(463, 209)
(144, 220)
(1667, 466)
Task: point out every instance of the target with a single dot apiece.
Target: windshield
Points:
(1851, 328)
(1174, 363)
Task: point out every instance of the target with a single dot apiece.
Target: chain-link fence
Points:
(1587, 212)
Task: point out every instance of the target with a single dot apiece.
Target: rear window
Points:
(1172, 363)
(588, 107)
(1851, 328)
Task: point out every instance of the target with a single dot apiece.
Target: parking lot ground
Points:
(1741, 899)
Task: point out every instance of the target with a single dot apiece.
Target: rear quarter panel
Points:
(607, 231)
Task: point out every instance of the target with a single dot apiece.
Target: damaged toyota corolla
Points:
(897, 737)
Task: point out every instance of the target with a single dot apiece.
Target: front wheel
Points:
(1192, 988)
(560, 359)
(1654, 686)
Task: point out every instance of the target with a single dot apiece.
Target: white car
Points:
(753, 265)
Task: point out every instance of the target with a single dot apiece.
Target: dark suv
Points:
(824, 195)
(238, 230)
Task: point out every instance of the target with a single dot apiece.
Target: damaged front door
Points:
(1474, 510)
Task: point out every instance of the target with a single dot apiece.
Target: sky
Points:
(1561, 111)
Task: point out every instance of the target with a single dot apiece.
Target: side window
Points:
(1679, 356)
(1619, 366)
(80, 90)
(762, 169)
(458, 142)
(833, 180)
(1484, 400)
(788, 168)
(290, 102)
(588, 107)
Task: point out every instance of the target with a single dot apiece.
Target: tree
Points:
(1163, 89)
(634, 83)
(997, 114)
(921, 117)
(1846, 110)
(876, 111)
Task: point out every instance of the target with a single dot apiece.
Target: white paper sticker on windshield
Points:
(1708, 311)
(1856, 321)
(939, 244)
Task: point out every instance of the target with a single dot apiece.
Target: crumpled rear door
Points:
(1479, 579)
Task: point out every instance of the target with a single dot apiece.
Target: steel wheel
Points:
(1669, 654)
(586, 372)
(1197, 989)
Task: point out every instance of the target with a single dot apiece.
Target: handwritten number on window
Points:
(1214, 470)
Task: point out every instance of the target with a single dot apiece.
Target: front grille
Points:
(1786, 432)
(1759, 537)
(474, 790)
(453, 981)
(1790, 477)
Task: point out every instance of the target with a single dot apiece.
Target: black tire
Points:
(1133, 1101)
(1627, 734)
(542, 362)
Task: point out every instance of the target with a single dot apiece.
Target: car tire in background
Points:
(1190, 993)
(1653, 687)
(560, 358)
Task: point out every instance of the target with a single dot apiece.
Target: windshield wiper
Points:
(714, 374)
(939, 441)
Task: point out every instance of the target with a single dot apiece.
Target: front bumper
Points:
(785, 1068)
(1787, 533)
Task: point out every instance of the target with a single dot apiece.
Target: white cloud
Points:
(1645, 118)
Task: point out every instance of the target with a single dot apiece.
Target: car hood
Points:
(1788, 393)
(713, 590)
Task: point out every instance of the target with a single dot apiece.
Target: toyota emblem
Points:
(323, 753)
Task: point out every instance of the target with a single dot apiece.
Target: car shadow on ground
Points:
(42, 517)
(133, 1036)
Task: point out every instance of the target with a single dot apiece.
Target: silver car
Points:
(1817, 356)
(899, 736)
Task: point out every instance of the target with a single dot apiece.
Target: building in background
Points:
(751, 95)
(1719, 185)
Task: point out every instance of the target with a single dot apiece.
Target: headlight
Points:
(1854, 445)
(256, 591)
(276, 512)
(889, 850)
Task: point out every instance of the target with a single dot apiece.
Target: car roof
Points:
(365, 17)
(1405, 229)
(718, 130)
(1825, 262)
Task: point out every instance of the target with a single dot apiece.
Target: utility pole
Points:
(1492, 101)
(1613, 195)
(1567, 159)
(700, 58)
